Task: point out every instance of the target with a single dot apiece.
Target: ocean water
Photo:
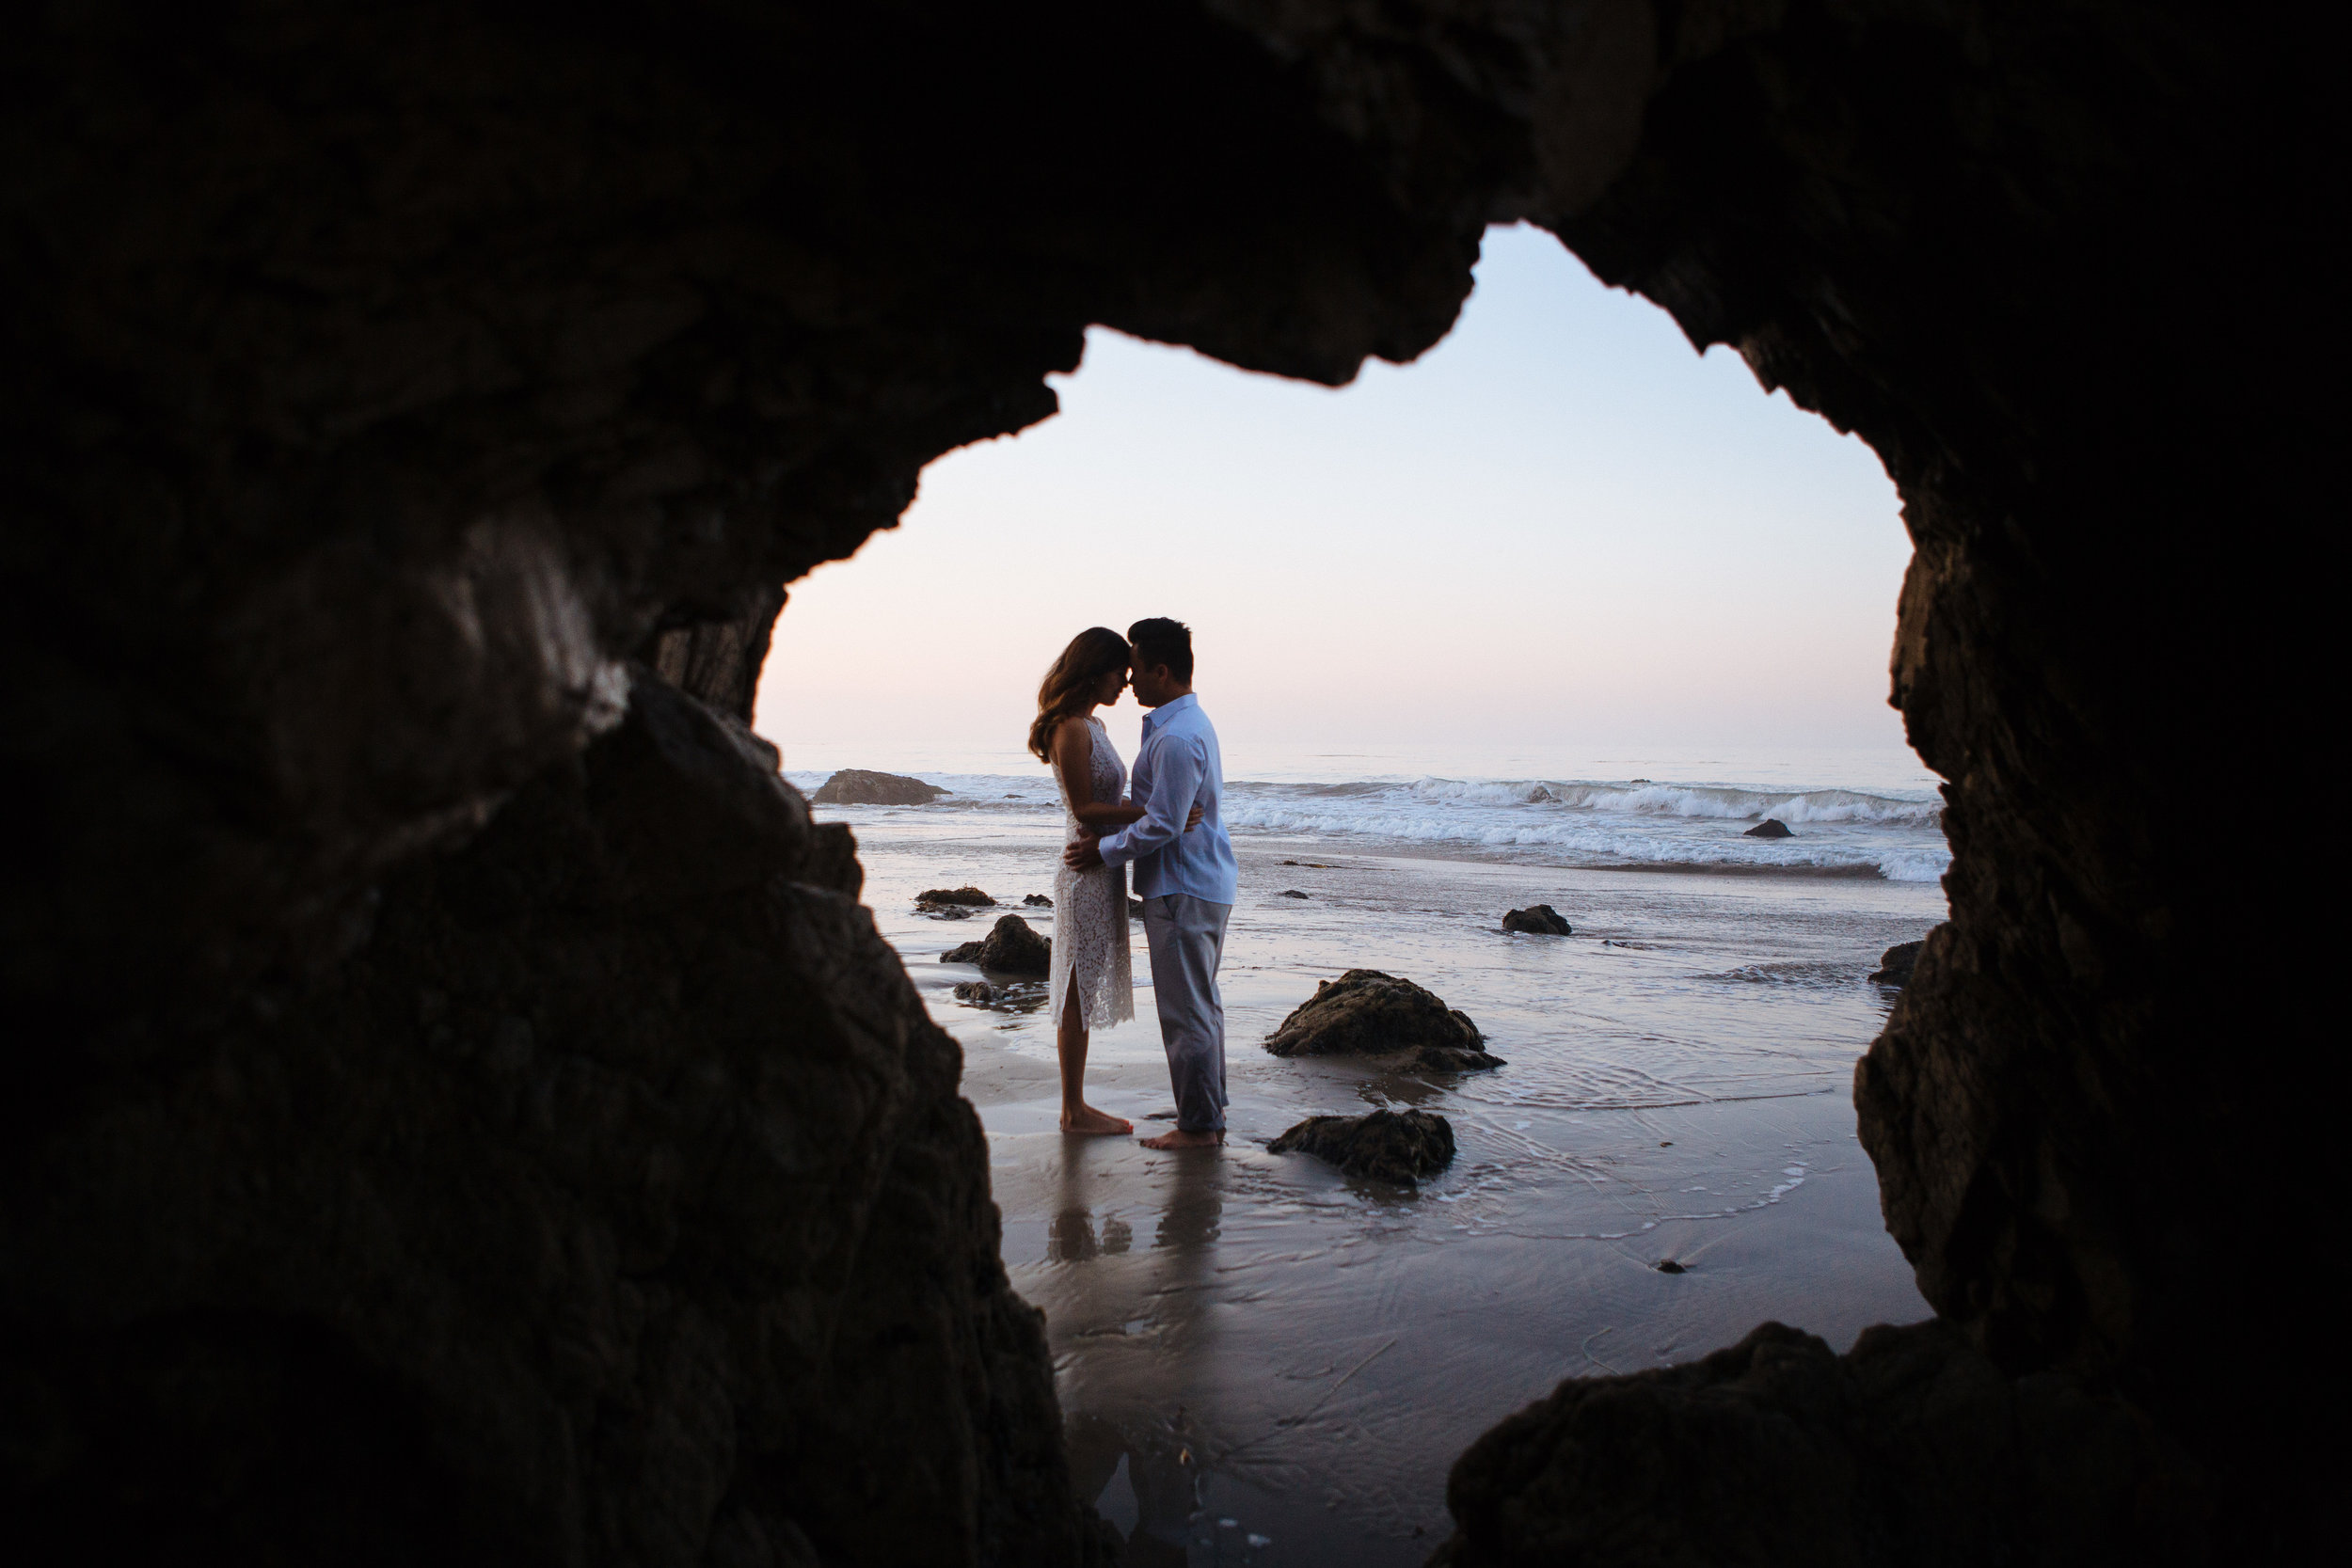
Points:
(1850, 814)
(1263, 1362)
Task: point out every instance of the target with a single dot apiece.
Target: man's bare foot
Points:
(1086, 1119)
(1181, 1139)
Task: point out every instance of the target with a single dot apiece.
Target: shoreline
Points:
(1322, 1348)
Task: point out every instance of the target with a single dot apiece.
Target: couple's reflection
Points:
(1132, 1443)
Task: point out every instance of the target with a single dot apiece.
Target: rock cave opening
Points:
(1479, 630)
(464, 1110)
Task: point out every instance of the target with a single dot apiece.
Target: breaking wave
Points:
(1635, 822)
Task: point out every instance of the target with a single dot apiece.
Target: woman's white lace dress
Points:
(1090, 909)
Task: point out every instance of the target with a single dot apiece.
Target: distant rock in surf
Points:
(1541, 794)
(976, 992)
(1289, 892)
(971, 896)
(855, 787)
(1537, 920)
(1897, 962)
(1772, 826)
(1038, 901)
(1367, 1013)
(1667, 1265)
(1387, 1146)
(1010, 947)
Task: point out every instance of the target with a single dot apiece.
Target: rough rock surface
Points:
(1897, 962)
(1540, 920)
(1010, 947)
(381, 378)
(1387, 1146)
(1772, 826)
(970, 897)
(1367, 1013)
(1912, 1450)
(855, 787)
(614, 1204)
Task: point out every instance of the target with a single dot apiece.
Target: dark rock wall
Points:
(613, 1204)
(384, 377)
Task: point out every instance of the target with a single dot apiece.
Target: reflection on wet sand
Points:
(1149, 1472)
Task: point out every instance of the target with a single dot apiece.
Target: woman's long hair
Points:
(1069, 686)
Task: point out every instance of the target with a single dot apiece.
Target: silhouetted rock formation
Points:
(1539, 920)
(623, 1127)
(1010, 946)
(1910, 1450)
(969, 896)
(718, 662)
(1387, 1146)
(855, 787)
(1897, 962)
(1772, 826)
(1366, 1013)
(381, 380)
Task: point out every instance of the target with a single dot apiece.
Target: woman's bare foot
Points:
(1086, 1119)
(1181, 1139)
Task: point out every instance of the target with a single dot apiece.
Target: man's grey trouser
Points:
(1187, 938)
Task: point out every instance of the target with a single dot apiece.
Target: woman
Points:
(1091, 976)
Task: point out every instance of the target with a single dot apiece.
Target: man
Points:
(1185, 879)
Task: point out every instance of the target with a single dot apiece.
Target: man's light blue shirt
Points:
(1177, 768)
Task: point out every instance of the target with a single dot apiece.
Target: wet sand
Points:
(1263, 1362)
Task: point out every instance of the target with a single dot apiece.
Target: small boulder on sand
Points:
(1772, 826)
(1537, 920)
(1038, 901)
(979, 992)
(1387, 1146)
(855, 787)
(1896, 964)
(970, 897)
(1009, 949)
(1367, 1013)
(1289, 892)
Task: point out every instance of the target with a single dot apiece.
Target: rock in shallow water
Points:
(967, 894)
(1038, 901)
(855, 787)
(1387, 1146)
(1911, 1448)
(1772, 826)
(1367, 1013)
(1897, 962)
(1010, 947)
(1537, 920)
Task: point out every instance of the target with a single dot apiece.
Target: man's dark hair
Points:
(1160, 640)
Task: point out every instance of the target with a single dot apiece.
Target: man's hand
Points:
(1084, 855)
(1194, 820)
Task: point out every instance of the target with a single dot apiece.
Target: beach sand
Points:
(1263, 1362)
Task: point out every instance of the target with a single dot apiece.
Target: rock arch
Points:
(415, 999)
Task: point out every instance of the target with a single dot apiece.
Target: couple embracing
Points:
(1169, 827)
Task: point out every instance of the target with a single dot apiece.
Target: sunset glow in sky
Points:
(1561, 524)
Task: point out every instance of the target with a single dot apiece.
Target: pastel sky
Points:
(1560, 525)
